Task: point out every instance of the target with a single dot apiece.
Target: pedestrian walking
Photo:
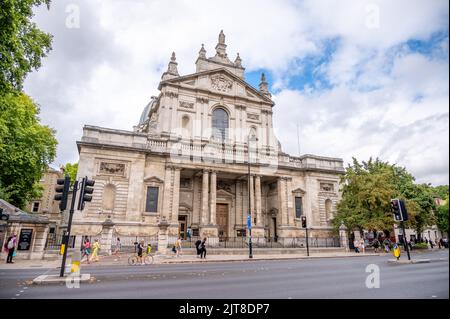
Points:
(95, 249)
(10, 248)
(376, 245)
(178, 247)
(431, 244)
(356, 244)
(203, 249)
(86, 250)
(189, 233)
(149, 249)
(140, 251)
(362, 245)
(386, 244)
(118, 247)
(197, 247)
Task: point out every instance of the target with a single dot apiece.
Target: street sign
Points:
(249, 221)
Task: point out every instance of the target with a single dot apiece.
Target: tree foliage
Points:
(442, 216)
(71, 170)
(367, 189)
(26, 148)
(22, 43)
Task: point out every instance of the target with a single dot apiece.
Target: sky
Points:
(351, 78)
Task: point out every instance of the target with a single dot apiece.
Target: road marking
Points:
(17, 295)
(433, 296)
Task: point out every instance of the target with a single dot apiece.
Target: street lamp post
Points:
(250, 255)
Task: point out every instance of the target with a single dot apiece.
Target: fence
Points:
(129, 243)
(54, 241)
(243, 242)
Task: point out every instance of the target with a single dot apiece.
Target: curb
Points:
(258, 259)
(407, 262)
(55, 279)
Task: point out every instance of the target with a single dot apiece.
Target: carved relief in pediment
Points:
(221, 83)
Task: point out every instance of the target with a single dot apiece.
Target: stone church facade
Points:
(203, 156)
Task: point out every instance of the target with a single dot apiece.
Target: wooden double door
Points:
(222, 221)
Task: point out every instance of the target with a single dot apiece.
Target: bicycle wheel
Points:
(132, 260)
(148, 259)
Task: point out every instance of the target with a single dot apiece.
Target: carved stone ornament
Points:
(221, 83)
(112, 168)
(225, 186)
(327, 187)
(187, 105)
(252, 116)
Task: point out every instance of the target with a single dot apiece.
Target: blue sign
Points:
(249, 221)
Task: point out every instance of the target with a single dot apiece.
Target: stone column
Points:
(176, 196)
(106, 236)
(290, 202)
(167, 201)
(281, 201)
(205, 192)
(213, 195)
(259, 221)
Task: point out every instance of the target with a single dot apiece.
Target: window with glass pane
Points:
(220, 124)
(298, 207)
(152, 200)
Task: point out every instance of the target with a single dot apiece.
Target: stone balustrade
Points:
(207, 150)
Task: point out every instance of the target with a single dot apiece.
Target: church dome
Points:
(146, 111)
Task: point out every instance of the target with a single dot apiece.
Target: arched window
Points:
(328, 208)
(109, 197)
(220, 124)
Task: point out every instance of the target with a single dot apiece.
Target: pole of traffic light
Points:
(307, 245)
(69, 225)
(405, 243)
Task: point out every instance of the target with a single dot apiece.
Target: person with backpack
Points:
(10, 247)
(203, 249)
(197, 246)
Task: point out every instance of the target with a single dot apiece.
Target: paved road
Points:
(312, 278)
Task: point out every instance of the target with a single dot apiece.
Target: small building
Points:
(31, 231)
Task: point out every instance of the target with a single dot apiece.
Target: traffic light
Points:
(85, 190)
(304, 221)
(396, 209)
(3, 217)
(62, 191)
(403, 210)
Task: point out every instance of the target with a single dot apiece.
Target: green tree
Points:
(367, 190)
(26, 148)
(22, 43)
(71, 170)
(442, 216)
(366, 194)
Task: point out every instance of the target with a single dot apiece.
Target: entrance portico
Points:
(220, 203)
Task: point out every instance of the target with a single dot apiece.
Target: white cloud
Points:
(105, 72)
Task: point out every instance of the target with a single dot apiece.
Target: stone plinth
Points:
(163, 236)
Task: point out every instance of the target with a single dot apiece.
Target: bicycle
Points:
(136, 260)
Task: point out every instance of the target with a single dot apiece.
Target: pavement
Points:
(367, 276)
(122, 259)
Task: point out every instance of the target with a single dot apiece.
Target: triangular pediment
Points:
(221, 81)
(298, 191)
(153, 179)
